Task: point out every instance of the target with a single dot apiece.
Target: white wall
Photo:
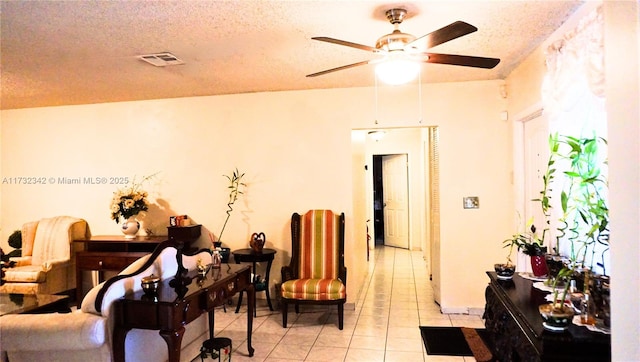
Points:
(402, 141)
(475, 161)
(622, 61)
(296, 149)
(622, 52)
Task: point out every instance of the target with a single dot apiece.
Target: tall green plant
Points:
(583, 200)
(235, 183)
(545, 193)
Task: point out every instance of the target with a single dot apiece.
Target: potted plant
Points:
(584, 222)
(235, 185)
(529, 243)
(506, 270)
(557, 314)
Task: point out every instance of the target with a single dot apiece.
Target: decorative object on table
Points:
(150, 284)
(558, 314)
(202, 267)
(127, 203)
(257, 242)
(130, 227)
(506, 270)
(530, 243)
(235, 185)
(180, 220)
(216, 259)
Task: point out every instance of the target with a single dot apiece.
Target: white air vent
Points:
(161, 59)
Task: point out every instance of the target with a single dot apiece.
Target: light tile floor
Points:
(395, 301)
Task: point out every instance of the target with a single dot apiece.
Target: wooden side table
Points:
(110, 253)
(249, 256)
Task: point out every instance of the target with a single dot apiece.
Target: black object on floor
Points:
(447, 341)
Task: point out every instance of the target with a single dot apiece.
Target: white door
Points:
(396, 200)
(536, 155)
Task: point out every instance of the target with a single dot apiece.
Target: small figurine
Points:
(257, 242)
(202, 269)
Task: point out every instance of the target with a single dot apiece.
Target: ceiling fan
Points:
(398, 47)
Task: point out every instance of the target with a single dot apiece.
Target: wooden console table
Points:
(515, 327)
(179, 301)
(110, 253)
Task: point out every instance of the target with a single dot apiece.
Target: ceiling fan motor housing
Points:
(396, 16)
(394, 41)
(397, 39)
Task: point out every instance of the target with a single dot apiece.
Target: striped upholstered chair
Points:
(316, 273)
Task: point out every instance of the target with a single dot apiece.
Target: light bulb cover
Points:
(377, 135)
(397, 69)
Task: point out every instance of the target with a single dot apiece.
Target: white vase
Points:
(130, 227)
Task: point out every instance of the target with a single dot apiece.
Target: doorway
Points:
(390, 200)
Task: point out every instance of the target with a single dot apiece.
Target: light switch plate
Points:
(471, 202)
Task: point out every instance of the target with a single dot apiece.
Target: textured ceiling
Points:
(79, 52)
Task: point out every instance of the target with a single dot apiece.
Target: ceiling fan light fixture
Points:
(397, 70)
(376, 135)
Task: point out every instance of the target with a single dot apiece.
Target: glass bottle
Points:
(587, 309)
(216, 259)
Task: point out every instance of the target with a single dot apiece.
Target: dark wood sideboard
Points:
(178, 300)
(114, 252)
(110, 253)
(515, 327)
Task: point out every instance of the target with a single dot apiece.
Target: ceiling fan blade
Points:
(346, 43)
(464, 60)
(339, 68)
(443, 35)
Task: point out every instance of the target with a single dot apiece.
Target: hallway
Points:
(383, 326)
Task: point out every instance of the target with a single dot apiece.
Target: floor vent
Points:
(161, 59)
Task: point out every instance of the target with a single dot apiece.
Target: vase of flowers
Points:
(126, 204)
(130, 227)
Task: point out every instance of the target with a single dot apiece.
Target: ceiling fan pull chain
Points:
(375, 79)
(420, 96)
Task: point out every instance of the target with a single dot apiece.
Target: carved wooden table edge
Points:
(210, 294)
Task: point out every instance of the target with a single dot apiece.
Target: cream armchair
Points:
(47, 264)
(85, 334)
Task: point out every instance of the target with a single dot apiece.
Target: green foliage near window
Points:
(577, 170)
(584, 222)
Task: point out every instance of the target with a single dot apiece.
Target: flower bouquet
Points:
(128, 202)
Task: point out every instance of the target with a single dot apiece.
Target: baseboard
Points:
(476, 311)
(454, 310)
(469, 311)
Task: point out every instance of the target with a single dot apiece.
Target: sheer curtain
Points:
(573, 100)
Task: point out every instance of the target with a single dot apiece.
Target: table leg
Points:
(239, 301)
(267, 284)
(174, 342)
(119, 336)
(78, 285)
(251, 304)
(211, 323)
